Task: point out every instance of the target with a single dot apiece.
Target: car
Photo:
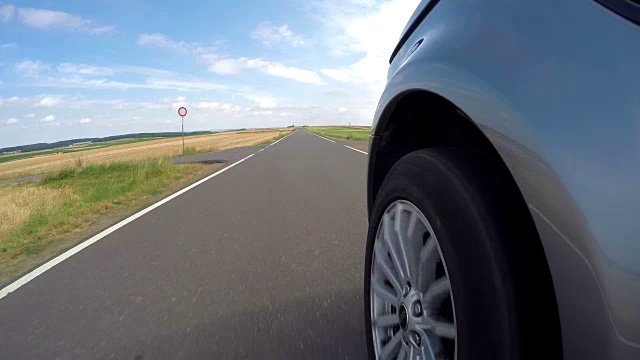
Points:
(504, 184)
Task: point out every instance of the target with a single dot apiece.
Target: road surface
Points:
(264, 260)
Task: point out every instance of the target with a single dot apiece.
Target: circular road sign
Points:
(182, 111)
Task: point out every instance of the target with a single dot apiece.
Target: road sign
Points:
(182, 111)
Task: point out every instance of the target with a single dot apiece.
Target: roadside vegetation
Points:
(355, 133)
(36, 214)
(31, 154)
(134, 151)
(85, 194)
(274, 139)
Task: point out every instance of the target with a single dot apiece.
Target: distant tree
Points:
(64, 143)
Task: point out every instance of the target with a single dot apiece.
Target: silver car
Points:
(504, 184)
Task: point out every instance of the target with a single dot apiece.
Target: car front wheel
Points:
(453, 266)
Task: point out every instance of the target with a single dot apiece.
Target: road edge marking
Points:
(360, 151)
(23, 280)
(321, 137)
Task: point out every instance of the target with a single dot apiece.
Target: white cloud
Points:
(162, 41)
(73, 75)
(204, 105)
(32, 68)
(352, 27)
(223, 65)
(84, 69)
(85, 120)
(34, 101)
(287, 72)
(7, 12)
(263, 102)
(51, 19)
(13, 101)
(277, 36)
(143, 70)
(363, 35)
(337, 75)
(182, 85)
(179, 102)
(48, 118)
(12, 121)
(82, 82)
(8, 46)
(48, 101)
(235, 65)
(29, 116)
(226, 66)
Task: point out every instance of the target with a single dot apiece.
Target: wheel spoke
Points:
(386, 320)
(429, 257)
(392, 348)
(437, 292)
(404, 353)
(384, 292)
(412, 224)
(402, 240)
(394, 245)
(390, 274)
(433, 347)
(444, 329)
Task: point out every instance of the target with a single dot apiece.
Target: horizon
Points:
(78, 70)
(187, 133)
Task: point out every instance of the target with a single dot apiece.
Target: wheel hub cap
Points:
(403, 317)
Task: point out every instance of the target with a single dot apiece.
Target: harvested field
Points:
(136, 151)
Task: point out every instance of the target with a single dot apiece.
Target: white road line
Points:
(360, 151)
(321, 137)
(76, 249)
(277, 141)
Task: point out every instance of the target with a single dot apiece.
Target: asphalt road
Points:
(264, 260)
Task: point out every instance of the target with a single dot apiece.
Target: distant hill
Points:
(65, 143)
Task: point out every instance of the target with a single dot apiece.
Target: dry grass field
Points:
(136, 151)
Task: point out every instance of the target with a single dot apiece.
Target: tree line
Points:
(65, 143)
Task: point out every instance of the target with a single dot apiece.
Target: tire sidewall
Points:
(450, 188)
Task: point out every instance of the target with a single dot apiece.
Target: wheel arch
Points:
(419, 119)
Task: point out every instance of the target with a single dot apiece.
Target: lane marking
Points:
(76, 249)
(360, 151)
(321, 137)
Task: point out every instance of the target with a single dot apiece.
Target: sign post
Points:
(182, 112)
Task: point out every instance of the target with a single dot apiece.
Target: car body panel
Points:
(555, 87)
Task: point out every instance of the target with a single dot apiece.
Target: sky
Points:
(104, 67)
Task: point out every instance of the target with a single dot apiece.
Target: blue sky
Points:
(83, 69)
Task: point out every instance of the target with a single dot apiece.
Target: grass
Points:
(34, 215)
(341, 132)
(272, 140)
(189, 150)
(135, 151)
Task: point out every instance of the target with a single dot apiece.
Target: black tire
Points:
(504, 302)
